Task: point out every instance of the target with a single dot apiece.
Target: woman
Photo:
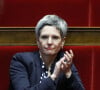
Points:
(49, 68)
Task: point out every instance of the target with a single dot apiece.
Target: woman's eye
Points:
(44, 37)
(55, 37)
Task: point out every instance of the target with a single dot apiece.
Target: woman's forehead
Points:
(50, 30)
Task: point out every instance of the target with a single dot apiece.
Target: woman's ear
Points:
(63, 41)
(37, 40)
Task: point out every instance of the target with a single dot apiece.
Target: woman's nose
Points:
(50, 40)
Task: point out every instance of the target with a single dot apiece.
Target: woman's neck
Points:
(47, 59)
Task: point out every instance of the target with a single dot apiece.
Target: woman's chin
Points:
(49, 53)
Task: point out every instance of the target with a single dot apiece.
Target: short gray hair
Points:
(52, 20)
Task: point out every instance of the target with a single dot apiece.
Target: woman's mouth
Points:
(49, 48)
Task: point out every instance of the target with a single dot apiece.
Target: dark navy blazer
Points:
(25, 73)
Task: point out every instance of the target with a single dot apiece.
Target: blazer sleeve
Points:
(20, 79)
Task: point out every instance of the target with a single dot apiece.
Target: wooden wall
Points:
(26, 36)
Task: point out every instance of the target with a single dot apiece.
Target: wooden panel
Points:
(26, 36)
(83, 38)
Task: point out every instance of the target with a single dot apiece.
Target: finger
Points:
(64, 65)
(71, 52)
(60, 61)
(68, 54)
(67, 59)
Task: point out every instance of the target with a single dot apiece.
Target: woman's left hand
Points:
(63, 65)
(67, 62)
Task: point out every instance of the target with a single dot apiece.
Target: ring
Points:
(65, 60)
(68, 62)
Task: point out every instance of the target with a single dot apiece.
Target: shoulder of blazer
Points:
(29, 60)
(26, 57)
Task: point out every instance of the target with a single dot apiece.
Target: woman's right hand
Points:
(57, 69)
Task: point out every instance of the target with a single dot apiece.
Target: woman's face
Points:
(50, 41)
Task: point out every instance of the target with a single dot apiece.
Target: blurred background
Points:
(27, 12)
